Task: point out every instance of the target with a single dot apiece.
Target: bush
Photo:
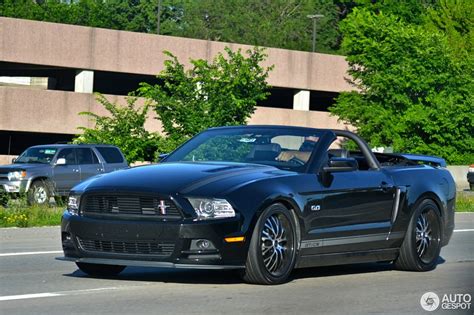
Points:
(123, 127)
(223, 92)
(17, 213)
(415, 93)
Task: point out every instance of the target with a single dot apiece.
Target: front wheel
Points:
(100, 270)
(272, 251)
(39, 193)
(422, 243)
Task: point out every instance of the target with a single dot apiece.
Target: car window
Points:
(110, 154)
(37, 155)
(286, 149)
(69, 155)
(86, 156)
(221, 148)
(347, 148)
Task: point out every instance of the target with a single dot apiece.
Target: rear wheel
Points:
(272, 252)
(100, 270)
(422, 244)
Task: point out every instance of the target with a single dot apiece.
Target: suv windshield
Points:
(37, 155)
(283, 148)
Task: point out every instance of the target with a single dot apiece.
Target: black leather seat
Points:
(264, 152)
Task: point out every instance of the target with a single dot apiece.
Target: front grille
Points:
(4, 173)
(129, 205)
(148, 248)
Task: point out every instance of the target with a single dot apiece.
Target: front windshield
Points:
(288, 149)
(37, 155)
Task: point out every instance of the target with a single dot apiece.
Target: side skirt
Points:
(347, 258)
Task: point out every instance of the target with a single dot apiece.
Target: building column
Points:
(84, 82)
(301, 100)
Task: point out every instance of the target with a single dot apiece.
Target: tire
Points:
(39, 193)
(272, 251)
(422, 244)
(100, 270)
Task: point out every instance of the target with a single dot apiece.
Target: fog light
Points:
(66, 236)
(203, 244)
(67, 241)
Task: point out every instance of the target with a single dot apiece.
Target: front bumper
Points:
(170, 244)
(14, 186)
(144, 263)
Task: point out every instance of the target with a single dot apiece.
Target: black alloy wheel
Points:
(421, 247)
(272, 252)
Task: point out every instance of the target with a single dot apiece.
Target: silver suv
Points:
(46, 171)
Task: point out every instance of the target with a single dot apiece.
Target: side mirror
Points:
(61, 161)
(161, 157)
(13, 160)
(338, 164)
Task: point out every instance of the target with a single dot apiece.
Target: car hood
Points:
(20, 166)
(193, 178)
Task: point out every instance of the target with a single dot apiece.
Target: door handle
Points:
(386, 186)
(75, 170)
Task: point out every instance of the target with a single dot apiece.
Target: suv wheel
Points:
(39, 193)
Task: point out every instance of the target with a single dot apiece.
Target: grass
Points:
(18, 214)
(465, 202)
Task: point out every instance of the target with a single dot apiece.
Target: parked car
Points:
(265, 200)
(470, 176)
(46, 171)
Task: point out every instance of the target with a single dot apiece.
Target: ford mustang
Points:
(264, 200)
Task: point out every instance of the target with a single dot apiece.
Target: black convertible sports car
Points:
(266, 200)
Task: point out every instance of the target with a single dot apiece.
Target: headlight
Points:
(17, 175)
(73, 204)
(212, 208)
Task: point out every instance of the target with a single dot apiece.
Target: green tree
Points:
(411, 11)
(123, 127)
(129, 15)
(455, 18)
(275, 23)
(415, 95)
(209, 94)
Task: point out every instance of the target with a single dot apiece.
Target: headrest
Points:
(265, 152)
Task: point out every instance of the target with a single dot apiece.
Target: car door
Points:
(88, 162)
(67, 175)
(112, 157)
(351, 212)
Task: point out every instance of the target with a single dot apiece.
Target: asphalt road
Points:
(33, 282)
